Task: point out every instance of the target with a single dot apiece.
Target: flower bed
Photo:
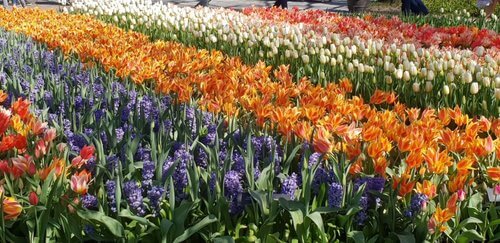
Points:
(165, 171)
(421, 77)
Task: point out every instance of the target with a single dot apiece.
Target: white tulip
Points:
(388, 79)
(430, 75)
(486, 81)
(406, 76)
(450, 77)
(446, 90)
(416, 87)
(428, 86)
(399, 74)
(474, 88)
(305, 59)
(350, 68)
(467, 77)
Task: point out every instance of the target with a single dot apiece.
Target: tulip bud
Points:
(430, 75)
(305, 59)
(497, 94)
(399, 73)
(350, 67)
(428, 86)
(446, 90)
(406, 76)
(388, 79)
(486, 81)
(33, 198)
(416, 87)
(474, 88)
(467, 77)
(450, 77)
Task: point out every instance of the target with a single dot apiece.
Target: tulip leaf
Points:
(165, 226)
(224, 239)
(470, 235)
(195, 228)
(356, 236)
(125, 213)
(112, 224)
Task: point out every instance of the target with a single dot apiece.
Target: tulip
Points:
(79, 182)
(461, 195)
(416, 87)
(11, 208)
(446, 90)
(497, 94)
(474, 88)
(428, 86)
(33, 198)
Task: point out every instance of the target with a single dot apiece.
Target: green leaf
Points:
(261, 199)
(165, 225)
(470, 220)
(475, 200)
(112, 224)
(180, 215)
(357, 236)
(470, 235)
(224, 239)
(197, 227)
(406, 238)
(125, 213)
(318, 221)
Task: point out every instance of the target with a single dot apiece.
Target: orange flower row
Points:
(421, 144)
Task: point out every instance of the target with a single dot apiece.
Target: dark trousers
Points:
(414, 6)
(281, 3)
(203, 3)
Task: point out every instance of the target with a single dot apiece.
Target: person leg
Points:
(491, 8)
(203, 3)
(23, 3)
(5, 4)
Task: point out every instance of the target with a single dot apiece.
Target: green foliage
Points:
(435, 6)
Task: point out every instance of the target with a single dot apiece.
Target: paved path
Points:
(333, 5)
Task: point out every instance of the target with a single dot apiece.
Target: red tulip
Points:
(33, 198)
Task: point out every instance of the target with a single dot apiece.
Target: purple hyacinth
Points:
(289, 186)
(154, 195)
(91, 164)
(314, 159)
(201, 158)
(143, 154)
(99, 113)
(362, 215)
(232, 184)
(89, 201)
(335, 195)
(112, 161)
(373, 185)
(238, 162)
(111, 194)
(133, 193)
(148, 172)
(416, 205)
(89, 230)
(78, 103)
(119, 134)
(212, 182)
(166, 165)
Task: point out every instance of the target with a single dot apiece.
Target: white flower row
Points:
(326, 55)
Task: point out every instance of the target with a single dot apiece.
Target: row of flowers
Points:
(159, 165)
(382, 27)
(421, 77)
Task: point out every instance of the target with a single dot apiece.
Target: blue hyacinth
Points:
(290, 185)
(335, 195)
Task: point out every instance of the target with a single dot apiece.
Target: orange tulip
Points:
(79, 182)
(427, 188)
(438, 162)
(322, 143)
(21, 108)
(11, 208)
(494, 173)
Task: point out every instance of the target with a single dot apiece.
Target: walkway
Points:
(333, 5)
